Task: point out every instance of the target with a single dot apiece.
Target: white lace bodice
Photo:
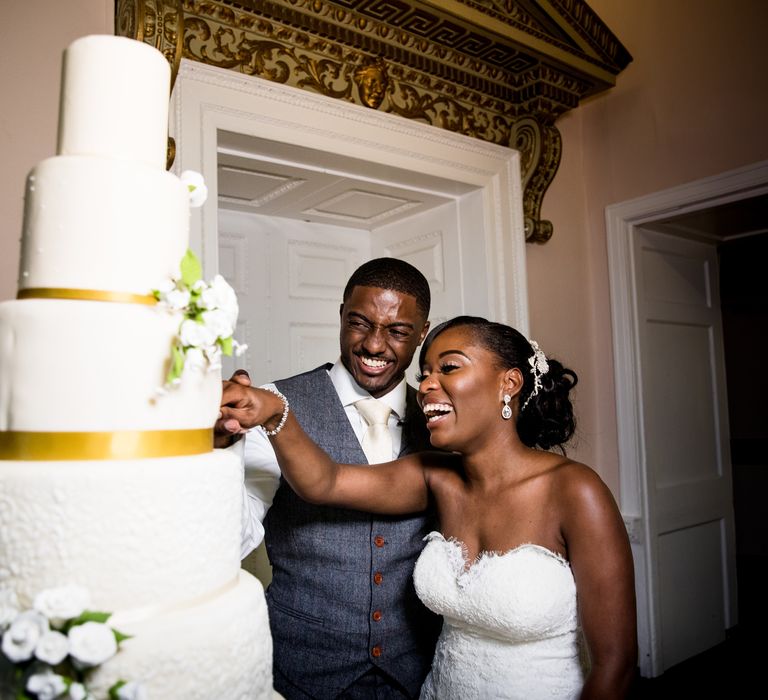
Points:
(510, 625)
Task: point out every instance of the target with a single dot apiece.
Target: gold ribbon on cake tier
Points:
(85, 295)
(118, 444)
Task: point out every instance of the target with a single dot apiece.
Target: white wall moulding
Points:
(501, 70)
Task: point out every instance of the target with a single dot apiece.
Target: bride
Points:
(532, 570)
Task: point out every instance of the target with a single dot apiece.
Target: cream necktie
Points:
(377, 440)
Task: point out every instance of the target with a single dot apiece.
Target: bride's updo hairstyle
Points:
(545, 418)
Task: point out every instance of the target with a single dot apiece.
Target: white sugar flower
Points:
(218, 323)
(176, 298)
(91, 644)
(21, 638)
(47, 685)
(198, 191)
(9, 608)
(166, 286)
(52, 648)
(239, 348)
(213, 353)
(132, 691)
(62, 603)
(196, 335)
(220, 295)
(77, 691)
(195, 360)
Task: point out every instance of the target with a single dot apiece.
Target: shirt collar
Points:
(350, 391)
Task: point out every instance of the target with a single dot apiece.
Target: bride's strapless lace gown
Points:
(510, 626)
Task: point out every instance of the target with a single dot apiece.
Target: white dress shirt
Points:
(262, 472)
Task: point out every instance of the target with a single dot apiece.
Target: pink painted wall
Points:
(33, 35)
(692, 104)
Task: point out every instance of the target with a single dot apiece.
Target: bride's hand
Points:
(226, 431)
(242, 408)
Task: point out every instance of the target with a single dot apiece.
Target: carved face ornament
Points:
(372, 82)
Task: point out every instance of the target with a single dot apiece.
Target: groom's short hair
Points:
(394, 274)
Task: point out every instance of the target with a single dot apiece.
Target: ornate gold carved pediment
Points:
(498, 70)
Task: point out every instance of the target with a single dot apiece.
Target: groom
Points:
(343, 612)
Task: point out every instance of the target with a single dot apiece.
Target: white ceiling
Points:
(274, 179)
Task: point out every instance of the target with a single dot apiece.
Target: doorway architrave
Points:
(623, 221)
(207, 100)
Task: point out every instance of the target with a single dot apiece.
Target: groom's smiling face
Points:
(380, 331)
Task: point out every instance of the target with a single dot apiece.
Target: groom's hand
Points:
(228, 428)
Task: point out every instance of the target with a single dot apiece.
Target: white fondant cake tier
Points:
(114, 101)
(156, 541)
(96, 366)
(134, 532)
(92, 223)
(217, 649)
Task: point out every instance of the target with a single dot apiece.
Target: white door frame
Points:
(207, 99)
(622, 221)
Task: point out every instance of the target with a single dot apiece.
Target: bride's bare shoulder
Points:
(584, 496)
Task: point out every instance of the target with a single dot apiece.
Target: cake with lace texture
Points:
(107, 481)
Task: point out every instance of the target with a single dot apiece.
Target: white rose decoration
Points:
(220, 295)
(195, 334)
(62, 603)
(52, 648)
(176, 298)
(132, 691)
(21, 638)
(218, 323)
(213, 354)
(195, 360)
(47, 685)
(77, 691)
(91, 644)
(9, 608)
(198, 191)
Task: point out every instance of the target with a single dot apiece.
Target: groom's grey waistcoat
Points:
(333, 568)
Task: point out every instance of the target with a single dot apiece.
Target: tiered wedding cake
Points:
(104, 482)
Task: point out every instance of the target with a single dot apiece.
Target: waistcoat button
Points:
(378, 541)
(376, 615)
(378, 578)
(376, 651)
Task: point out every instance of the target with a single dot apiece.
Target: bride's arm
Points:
(601, 561)
(393, 488)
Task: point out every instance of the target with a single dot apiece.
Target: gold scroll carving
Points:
(411, 59)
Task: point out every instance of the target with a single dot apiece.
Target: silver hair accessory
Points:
(506, 411)
(539, 367)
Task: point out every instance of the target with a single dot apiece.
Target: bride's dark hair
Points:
(544, 420)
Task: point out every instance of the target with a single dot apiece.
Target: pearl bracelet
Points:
(283, 418)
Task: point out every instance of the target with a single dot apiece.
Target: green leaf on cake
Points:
(119, 636)
(226, 345)
(90, 616)
(115, 688)
(177, 363)
(191, 269)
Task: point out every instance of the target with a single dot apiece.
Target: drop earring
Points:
(506, 411)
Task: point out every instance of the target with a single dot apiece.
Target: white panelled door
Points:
(691, 549)
(432, 242)
(289, 277)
